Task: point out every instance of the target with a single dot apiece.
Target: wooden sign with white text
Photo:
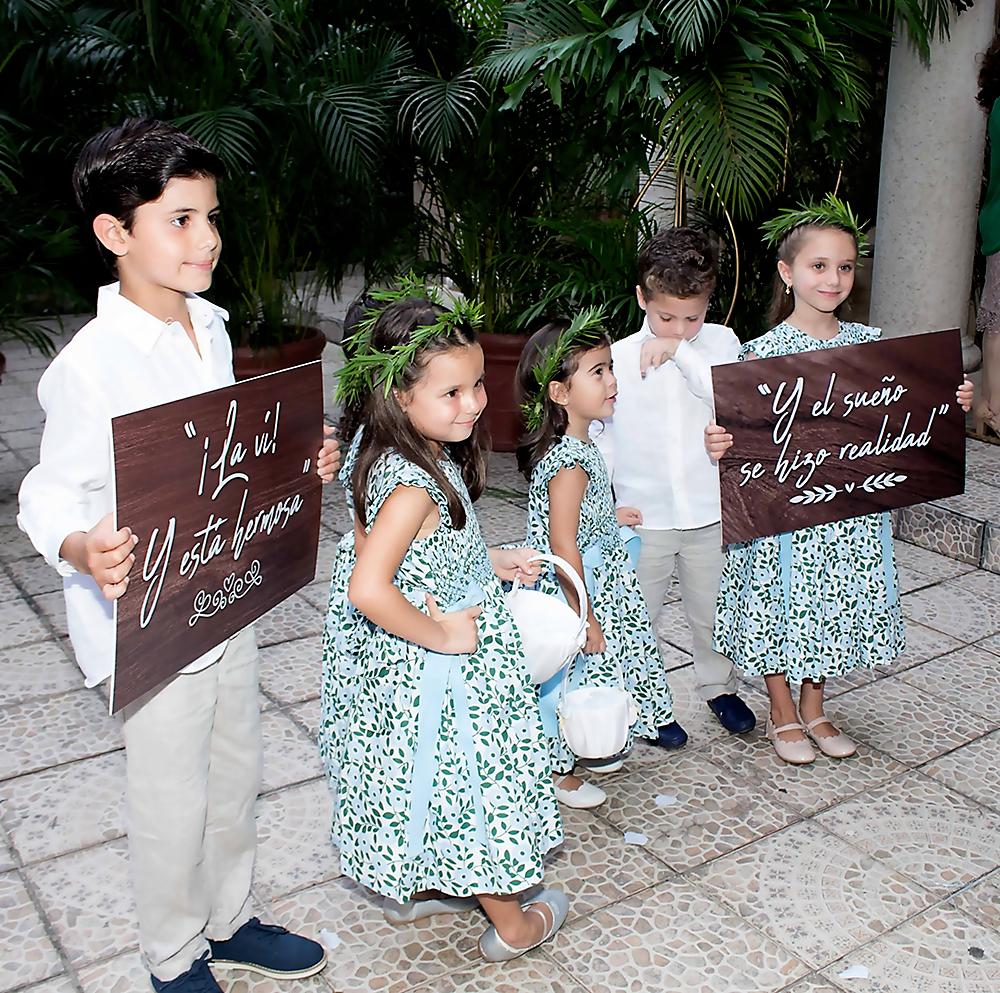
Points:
(222, 490)
(835, 433)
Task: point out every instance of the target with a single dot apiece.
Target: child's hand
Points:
(717, 441)
(964, 395)
(595, 643)
(108, 556)
(629, 516)
(328, 460)
(655, 352)
(460, 634)
(512, 563)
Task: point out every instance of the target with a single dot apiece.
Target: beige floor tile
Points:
(6, 851)
(38, 734)
(61, 984)
(500, 520)
(20, 625)
(53, 607)
(290, 620)
(373, 954)
(289, 755)
(812, 892)
(8, 591)
(934, 835)
(66, 808)
(911, 725)
(949, 607)
(293, 840)
(36, 670)
(673, 939)
(26, 953)
(87, 898)
(672, 627)
(969, 678)
(940, 951)
(594, 868)
(715, 810)
(809, 788)
(307, 716)
(973, 769)
(317, 594)
(980, 900)
(991, 644)
(535, 973)
(14, 544)
(292, 671)
(36, 576)
(126, 974)
(935, 567)
(813, 984)
(922, 644)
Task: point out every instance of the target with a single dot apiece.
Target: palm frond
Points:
(693, 24)
(233, 133)
(439, 112)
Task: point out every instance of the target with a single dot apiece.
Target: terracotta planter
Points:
(248, 363)
(503, 416)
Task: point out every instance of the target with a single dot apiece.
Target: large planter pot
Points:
(248, 362)
(503, 415)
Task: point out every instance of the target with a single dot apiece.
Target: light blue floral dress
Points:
(341, 630)
(819, 601)
(444, 780)
(614, 591)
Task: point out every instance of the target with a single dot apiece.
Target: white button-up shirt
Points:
(124, 360)
(654, 443)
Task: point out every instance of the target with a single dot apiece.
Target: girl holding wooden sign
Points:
(444, 796)
(823, 600)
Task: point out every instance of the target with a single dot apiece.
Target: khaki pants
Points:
(193, 761)
(699, 559)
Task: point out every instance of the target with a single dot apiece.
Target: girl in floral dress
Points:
(566, 380)
(823, 600)
(443, 786)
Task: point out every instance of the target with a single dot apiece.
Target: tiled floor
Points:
(755, 877)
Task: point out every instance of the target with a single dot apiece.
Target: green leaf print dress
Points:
(343, 626)
(819, 601)
(444, 780)
(614, 591)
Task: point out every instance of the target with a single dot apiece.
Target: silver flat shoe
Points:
(494, 949)
(416, 910)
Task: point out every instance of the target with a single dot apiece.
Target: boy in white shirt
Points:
(665, 484)
(192, 745)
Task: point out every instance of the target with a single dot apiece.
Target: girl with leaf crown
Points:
(823, 600)
(566, 381)
(443, 793)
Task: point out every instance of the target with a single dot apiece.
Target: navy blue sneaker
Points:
(734, 715)
(198, 979)
(670, 736)
(270, 951)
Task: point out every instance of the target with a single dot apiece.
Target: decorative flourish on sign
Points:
(234, 588)
(873, 484)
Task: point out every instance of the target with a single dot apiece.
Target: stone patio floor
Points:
(755, 877)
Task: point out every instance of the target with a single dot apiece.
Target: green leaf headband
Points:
(369, 368)
(586, 327)
(829, 212)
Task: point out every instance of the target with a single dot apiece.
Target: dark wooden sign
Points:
(222, 490)
(839, 432)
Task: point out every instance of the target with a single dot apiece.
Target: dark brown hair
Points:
(681, 262)
(535, 443)
(989, 76)
(388, 429)
(782, 303)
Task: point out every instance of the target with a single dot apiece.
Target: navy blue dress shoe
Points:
(270, 951)
(198, 979)
(670, 736)
(734, 715)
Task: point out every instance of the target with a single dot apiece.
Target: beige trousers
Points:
(699, 559)
(193, 762)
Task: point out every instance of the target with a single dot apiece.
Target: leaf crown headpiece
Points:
(831, 211)
(587, 328)
(369, 368)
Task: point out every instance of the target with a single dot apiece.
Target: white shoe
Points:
(603, 766)
(416, 910)
(584, 797)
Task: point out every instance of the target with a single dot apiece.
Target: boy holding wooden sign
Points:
(193, 745)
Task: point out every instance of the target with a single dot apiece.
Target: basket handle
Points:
(571, 574)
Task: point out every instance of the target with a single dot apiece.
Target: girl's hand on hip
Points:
(459, 631)
(718, 441)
